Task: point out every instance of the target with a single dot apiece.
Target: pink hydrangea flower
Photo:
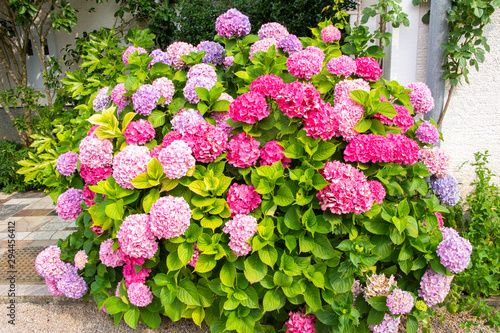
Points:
(204, 70)
(92, 176)
(139, 132)
(139, 294)
(196, 255)
(129, 163)
(88, 196)
(330, 34)
(131, 276)
(388, 325)
(196, 82)
(272, 152)
(321, 122)
(228, 61)
(348, 114)
(306, 63)
(240, 229)
(268, 85)
(400, 302)
(242, 199)
(52, 287)
(159, 57)
(290, 99)
(454, 251)
(166, 89)
(206, 141)
(185, 118)
(80, 259)
(108, 256)
(214, 52)
(421, 97)
(440, 219)
(299, 322)
(118, 98)
(368, 68)
(130, 50)
(178, 49)
(403, 120)
(135, 237)
(262, 45)
(436, 161)
(434, 287)
(272, 30)
(48, 264)
(342, 65)
(343, 89)
(176, 159)
(96, 153)
(378, 191)
(97, 230)
(66, 163)
(427, 133)
(145, 99)
(243, 151)
(232, 24)
(170, 137)
(68, 204)
(170, 217)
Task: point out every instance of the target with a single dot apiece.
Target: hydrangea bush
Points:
(257, 188)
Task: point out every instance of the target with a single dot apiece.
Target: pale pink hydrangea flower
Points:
(185, 118)
(118, 98)
(421, 97)
(135, 237)
(81, 259)
(48, 264)
(262, 45)
(240, 229)
(243, 151)
(166, 89)
(272, 30)
(300, 322)
(272, 152)
(206, 141)
(66, 163)
(68, 204)
(109, 257)
(388, 325)
(139, 132)
(348, 114)
(378, 285)
(178, 49)
(205, 70)
(242, 199)
(368, 68)
(129, 163)
(427, 133)
(400, 302)
(96, 153)
(228, 61)
(343, 65)
(232, 24)
(139, 294)
(306, 63)
(129, 51)
(436, 161)
(170, 217)
(196, 82)
(330, 34)
(176, 159)
(343, 89)
(52, 287)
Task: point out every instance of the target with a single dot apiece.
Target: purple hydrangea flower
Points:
(159, 56)
(427, 133)
(454, 251)
(102, 100)
(195, 82)
(68, 204)
(72, 285)
(66, 163)
(446, 188)
(228, 61)
(400, 302)
(214, 52)
(145, 99)
(434, 287)
(232, 24)
(388, 325)
(290, 44)
(272, 30)
(185, 118)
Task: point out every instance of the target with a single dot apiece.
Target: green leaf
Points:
(341, 284)
(221, 106)
(155, 169)
(255, 269)
(282, 280)
(284, 196)
(386, 109)
(211, 222)
(199, 187)
(115, 210)
(379, 303)
(152, 319)
(141, 181)
(156, 118)
(363, 125)
(268, 255)
(360, 96)
(185, 252)
(148, 201)
(115, 305)
(202, 93)
(205, 263)
(271, 300)
(309, 220)
(228, 274)
(173, 262)
(132, 317)
(312, 297)
(375, 317)
(187, 293)
(325, 150)
(411, 324)
(403, 209)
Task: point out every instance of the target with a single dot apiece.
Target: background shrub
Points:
(10, 153)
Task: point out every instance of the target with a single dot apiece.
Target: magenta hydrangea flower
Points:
(166, 89)
(206, 141)
(129, 51)
(321, 122)
(48, 265)
(176, 159)
(92, 176)
(394, 148)
(240, 229)
(454, 251)
(330, 34)
(102, 100)
(440, 219)
(232, 24)
(267, 85)
(400, 302)
(135, 237)
(131, 276)
(129, 163)
(72, 285)
(306, 63)
(388, 325)
(145, 99)
(242, 199)
(343, 89)
(118, 98)
(290, 44)
(139, 132)
(299, 322)
(139, 294)
(68, 204)
(262, 45)
(108, 256)
(403, 120)
(196, 255)
(88, 196)
(214, 52)
(272, 30)
(243, 151)
(96, 153)
(228, 61)
(205, 70)
(249, 107)
(421, 97)
(342, 65)
(434, 287)
(170, 137)
(272, 152)
(170, 217)
(66, 163)
(80, 259)
(378, 191)
(186, 118)
(291, 99)
(368, 68)
(97, 230)
(436, 161)
(159, 57)
(178, 49)
(196, 82)
(427, 133)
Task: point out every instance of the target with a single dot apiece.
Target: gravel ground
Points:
(82, 316)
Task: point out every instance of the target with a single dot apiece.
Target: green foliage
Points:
(10, 153)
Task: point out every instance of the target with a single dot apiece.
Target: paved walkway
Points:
(32, 219)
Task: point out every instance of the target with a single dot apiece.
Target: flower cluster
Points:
(378, 285)
(427, 133)
(305, 63)
(403, 119)
(343, 89)
(170, 217)
(202, 70)
(72, 285)
(368, 68)
(108, 256)
(400, 302)
(176, 159)
(139, 132)
(176, 50)
(118, 98)
(131, 276)
(68, 204)
(272, 152)
(267, 85)
(48, 265)
(454, 251)
(249, 107)
(139, 294)
(299, 322)
(81, 259)
(92, 176)
(446, 188)
(395, 148)
(129, 163)
(102, 100)
(165, 88)
(66, 163)
(196, 82)
(206, 141)
(243, 151)
(272, 30)
(232, 24)
(343, 65)
(421, 97)
(135, 237)
(145, 99)
(436, 161)
(348, 114)
(96, 153)
(185, 118)
(214, 52)
(330, 34)
(388, 325)
(159, 57)
(262, 45)
(242, 199)
(290, 44)
(228, 61)
(169, 138)
(240, 229)
(195, 256)
(434, 287)
(129, 51)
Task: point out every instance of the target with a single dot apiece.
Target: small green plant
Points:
(10, 153)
